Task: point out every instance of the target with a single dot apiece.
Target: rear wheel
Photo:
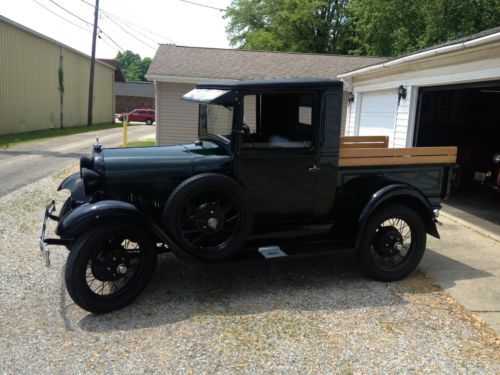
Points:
(392, 243)
(109, 267)
(149, 121)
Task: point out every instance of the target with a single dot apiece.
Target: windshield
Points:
(216, 119)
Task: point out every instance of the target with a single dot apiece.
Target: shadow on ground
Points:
(447, 271)
(179, 291)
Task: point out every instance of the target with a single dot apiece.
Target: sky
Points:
(136, 25)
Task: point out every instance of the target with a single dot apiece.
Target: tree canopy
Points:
(372, 27)
(132, 66)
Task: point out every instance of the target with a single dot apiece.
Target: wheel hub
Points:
(388, 241)
(209, 218)
(110, 265)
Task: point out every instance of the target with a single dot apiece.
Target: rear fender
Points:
(386, 193)
(89, 215)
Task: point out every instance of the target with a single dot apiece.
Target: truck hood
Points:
(162, 164)
(147, 175)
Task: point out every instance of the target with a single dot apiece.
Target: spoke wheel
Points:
(392, 243)
(208, 216)
(208, 220)
(109, 267)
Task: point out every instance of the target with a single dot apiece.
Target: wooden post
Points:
(92, 65)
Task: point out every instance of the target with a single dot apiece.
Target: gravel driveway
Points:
(308, 316)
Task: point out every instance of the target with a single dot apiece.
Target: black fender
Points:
(88, 215)
(385, 191)
(69, 182)
(398, 193)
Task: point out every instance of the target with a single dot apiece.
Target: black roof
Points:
(281, 83)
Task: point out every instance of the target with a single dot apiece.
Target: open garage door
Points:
(466, 116)
(378, 113)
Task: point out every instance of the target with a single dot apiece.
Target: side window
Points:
(278, 120)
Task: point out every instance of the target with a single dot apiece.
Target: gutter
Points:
(422, 55)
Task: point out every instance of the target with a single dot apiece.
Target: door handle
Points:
(314, 169)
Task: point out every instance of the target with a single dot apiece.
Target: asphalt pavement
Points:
(28, 162)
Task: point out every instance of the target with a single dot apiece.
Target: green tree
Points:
(395, 27)
(288, 25)
(361, 27)
(133, 67)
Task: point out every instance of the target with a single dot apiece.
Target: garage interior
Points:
(466, 116)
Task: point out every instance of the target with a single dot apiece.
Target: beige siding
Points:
(29, 95)
(178, 119)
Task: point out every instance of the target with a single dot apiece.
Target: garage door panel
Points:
(378, 113)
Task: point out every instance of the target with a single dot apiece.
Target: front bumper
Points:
(45, 242)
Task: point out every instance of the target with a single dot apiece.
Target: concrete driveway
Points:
(28, 162)
(466, 263)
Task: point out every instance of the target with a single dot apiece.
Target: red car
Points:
(141, 115)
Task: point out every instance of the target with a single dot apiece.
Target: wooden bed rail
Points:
(364, 141)
(364, 157)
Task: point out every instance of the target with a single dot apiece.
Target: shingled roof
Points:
(216, 63)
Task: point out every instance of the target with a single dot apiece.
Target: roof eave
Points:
(423, 55)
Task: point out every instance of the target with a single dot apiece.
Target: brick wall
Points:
(125, 104)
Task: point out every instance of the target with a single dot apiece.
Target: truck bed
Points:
(426, 168)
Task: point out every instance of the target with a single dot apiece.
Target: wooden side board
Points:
(360, 157)
(373, 141)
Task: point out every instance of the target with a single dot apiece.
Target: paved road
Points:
(28, 162)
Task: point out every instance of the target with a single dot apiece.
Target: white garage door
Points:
(378, 113)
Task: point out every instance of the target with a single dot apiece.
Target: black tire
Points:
(378, 254)
(90, 257)
(189, 214)
(149, 121)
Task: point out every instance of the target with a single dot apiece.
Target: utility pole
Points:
(92, 65)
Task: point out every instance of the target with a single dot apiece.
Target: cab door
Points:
(278, 154)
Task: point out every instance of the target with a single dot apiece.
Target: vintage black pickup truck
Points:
(269, 177)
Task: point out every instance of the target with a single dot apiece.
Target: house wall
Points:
(29, 95)
(177, 120)
(471, 65)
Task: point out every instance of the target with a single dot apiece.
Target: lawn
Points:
(12, 139)
(142, 143)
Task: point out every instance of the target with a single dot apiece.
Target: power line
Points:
(202, 5)
(73, 14)
(58, 15)
(111, 39)
(131, 25)
(132, 35)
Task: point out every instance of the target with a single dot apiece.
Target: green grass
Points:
(143, 143)
(13, 139)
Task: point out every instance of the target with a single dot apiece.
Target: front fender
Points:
(88, 215)
(69, 182)
(400, 193)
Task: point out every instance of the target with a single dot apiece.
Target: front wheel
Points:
(109, 267)
(392, 244)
